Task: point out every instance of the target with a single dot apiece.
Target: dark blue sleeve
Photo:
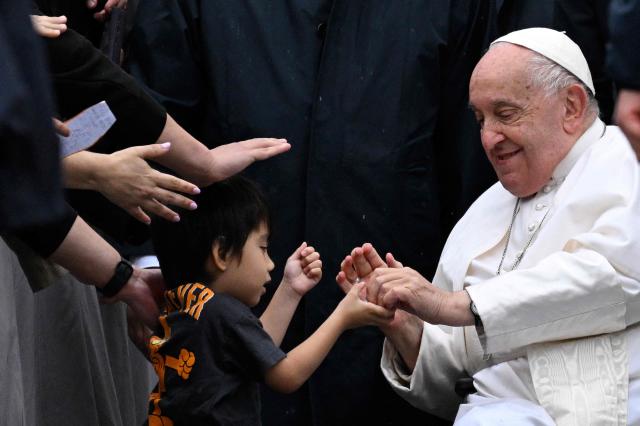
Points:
(623, 56)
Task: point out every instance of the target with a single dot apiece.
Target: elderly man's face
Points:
(521, 129)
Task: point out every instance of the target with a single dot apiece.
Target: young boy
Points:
(211, 350)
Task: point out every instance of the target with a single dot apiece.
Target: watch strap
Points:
(121, 276)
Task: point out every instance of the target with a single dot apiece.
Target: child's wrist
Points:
(339, 315)
(289, 289)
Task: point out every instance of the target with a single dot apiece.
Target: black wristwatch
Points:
(123, 272)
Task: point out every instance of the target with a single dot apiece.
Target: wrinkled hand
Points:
(627, 116)
(49, 26)
(230, 159)
(108, 7)
(357, 312)
(303, 269)
(143, 294)
(404, 288)
(129, 182)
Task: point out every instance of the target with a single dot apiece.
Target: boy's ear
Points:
(219, 260)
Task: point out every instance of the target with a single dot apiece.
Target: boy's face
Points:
(245, 279)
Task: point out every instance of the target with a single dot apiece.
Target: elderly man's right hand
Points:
(396, 287)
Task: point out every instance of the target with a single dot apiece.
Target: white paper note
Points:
(86, 128)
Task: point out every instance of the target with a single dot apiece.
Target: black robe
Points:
(623, 55)
(30, 179)
(372, 95)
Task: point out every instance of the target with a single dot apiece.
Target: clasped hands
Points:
(395, 287)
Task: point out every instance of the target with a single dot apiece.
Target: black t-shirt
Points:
(210, 355)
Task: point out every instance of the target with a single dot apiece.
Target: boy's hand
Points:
(303, 269)
(357, 312)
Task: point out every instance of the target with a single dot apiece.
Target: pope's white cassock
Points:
(560, 330)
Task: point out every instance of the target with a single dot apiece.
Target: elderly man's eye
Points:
(506, 115)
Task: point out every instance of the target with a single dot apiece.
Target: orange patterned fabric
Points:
(188, 299)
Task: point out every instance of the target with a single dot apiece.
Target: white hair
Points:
(552, 77)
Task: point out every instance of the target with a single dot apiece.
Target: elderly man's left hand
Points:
(396, 287)
(406, 289)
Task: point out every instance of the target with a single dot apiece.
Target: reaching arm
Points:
(93, 261)
(290, 373)
(126, 179)
(301, 274)
(405, 331)
(194, 161)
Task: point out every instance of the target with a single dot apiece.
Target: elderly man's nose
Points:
(490, 137)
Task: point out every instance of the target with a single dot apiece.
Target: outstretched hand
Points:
(303, 269)
(232, 158)
(359, 265)
(357, 312)
(128, 181)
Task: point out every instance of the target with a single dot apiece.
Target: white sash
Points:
(583, 381)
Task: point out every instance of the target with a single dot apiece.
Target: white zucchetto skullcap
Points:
(556, 46)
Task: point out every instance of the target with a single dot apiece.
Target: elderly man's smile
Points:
(504, 157)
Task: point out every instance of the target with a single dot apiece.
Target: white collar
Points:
(588, 138)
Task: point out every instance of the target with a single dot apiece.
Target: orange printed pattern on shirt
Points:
(190, 299)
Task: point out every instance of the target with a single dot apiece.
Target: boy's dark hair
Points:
(228, 211)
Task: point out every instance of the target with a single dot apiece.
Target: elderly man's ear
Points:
(576, 107)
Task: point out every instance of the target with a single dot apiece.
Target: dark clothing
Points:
(520, 14)
(585, 22)
(79, 17)
(83, 76)
(45, 239)
(210, 356)
(372, 95)
(30, 182)
(623, 60)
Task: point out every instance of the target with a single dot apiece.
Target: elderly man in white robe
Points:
(537, 292)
